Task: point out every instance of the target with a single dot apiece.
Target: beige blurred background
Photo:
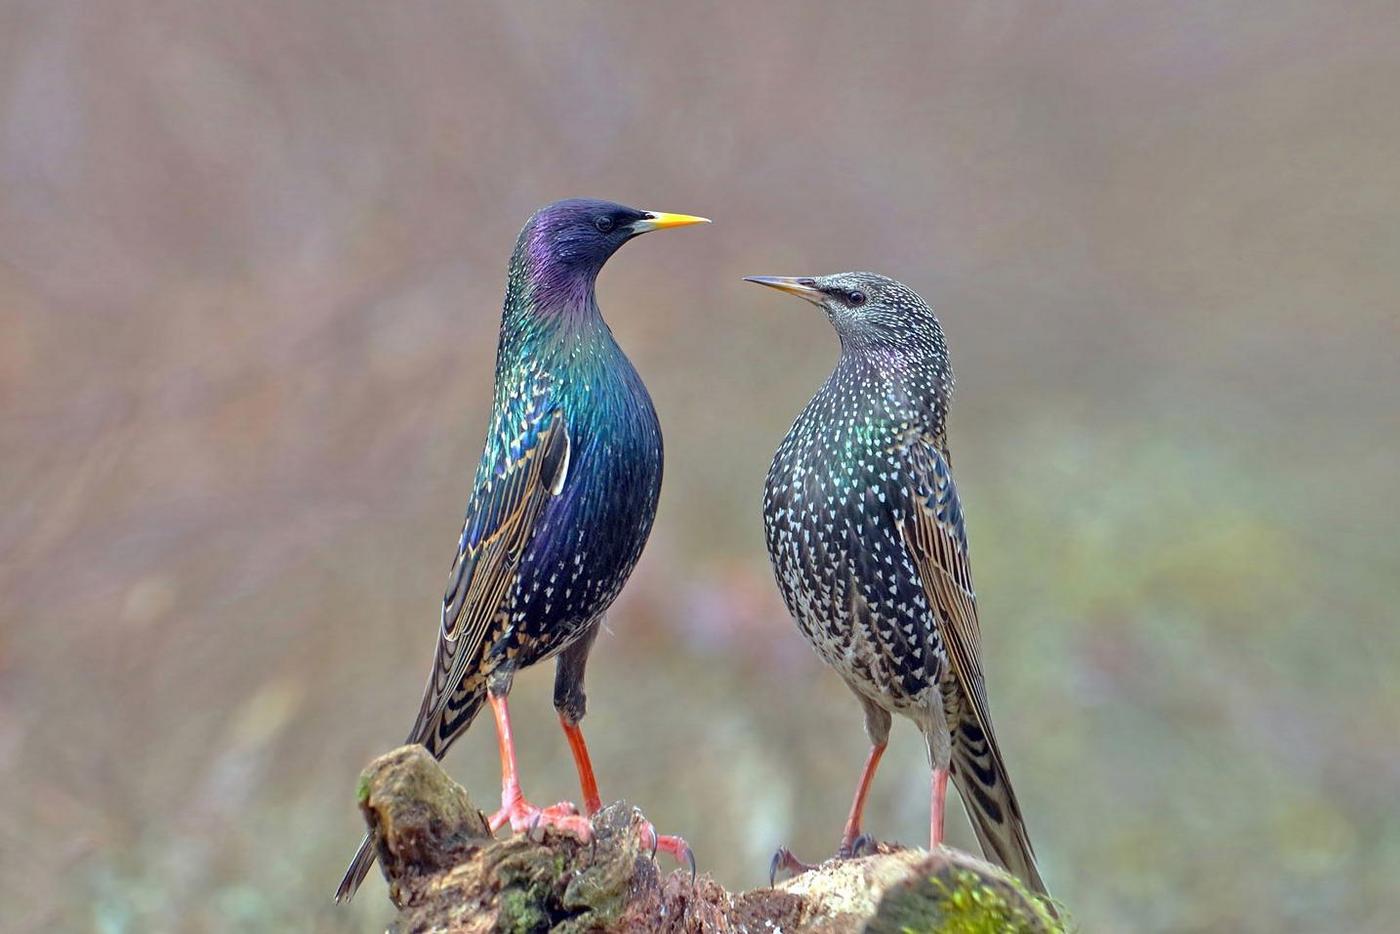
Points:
(251, 262)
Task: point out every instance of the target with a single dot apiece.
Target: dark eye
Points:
(603, 223)
(857, 297)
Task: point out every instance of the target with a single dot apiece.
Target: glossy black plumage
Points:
(563, 498)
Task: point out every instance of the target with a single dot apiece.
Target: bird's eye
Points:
(603, 223)
(857, 297)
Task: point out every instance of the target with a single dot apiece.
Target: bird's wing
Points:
(501, 517)
(500, 522)
(937, 541)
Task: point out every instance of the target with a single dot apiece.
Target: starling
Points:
(560, 509)
(866, 536)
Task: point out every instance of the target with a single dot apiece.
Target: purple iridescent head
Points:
(569, 241)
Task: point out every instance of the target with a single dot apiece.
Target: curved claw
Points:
(676, 846)
(682, 852)
(655, 840)
(857, 847)
(783, 859)
(690, 859)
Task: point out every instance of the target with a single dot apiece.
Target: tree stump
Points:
(448, 875)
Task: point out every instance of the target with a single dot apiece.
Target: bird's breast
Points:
(833, 505)
(591, 534)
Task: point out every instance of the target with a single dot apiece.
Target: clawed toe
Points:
(524, 817)
(783, 859)
(860, 846)
(675, 846)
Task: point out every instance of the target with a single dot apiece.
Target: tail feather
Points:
(436, 734)
(986, 792)
(359, 868)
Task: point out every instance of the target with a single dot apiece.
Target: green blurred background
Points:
(251, 262)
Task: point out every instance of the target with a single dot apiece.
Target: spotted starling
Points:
(867, 541)
(561, 507)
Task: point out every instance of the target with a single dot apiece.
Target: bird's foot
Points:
(849, 849)
(664, 843)
(522, 816)
(784, 860)
(854, 848)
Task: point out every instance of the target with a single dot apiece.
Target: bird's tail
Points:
(359, 868)
(985, 788)
(455, 716)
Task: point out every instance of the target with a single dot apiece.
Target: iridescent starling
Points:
(867, 541)
(561, 506)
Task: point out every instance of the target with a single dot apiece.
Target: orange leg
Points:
(593, 803)
(515, 810)
(851, 834)
(940, 799)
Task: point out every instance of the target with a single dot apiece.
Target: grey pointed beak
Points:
(802, 287)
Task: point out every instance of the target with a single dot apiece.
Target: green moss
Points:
(969, 905)
(961, 901)
(362, 789)
(521, 911)
(598, 894)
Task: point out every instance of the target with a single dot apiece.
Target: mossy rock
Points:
(952, 893)
(449, 875)
(423, 821)
(564, 886)
(544, 881)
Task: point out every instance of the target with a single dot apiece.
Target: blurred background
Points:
(251, 265)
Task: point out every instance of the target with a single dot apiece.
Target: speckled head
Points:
(868, 310)
(565, 244)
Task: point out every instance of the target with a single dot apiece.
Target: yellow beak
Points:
(660, 220)
(793, 285)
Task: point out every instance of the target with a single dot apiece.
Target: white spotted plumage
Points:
(866, 535)
(831, 505)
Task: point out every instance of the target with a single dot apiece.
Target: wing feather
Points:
(500, 523)
(937, 541)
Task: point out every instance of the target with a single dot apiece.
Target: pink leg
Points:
(851, 833)
(940, 799)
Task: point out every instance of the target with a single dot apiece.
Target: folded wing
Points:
(934, 533)
(501, 519)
